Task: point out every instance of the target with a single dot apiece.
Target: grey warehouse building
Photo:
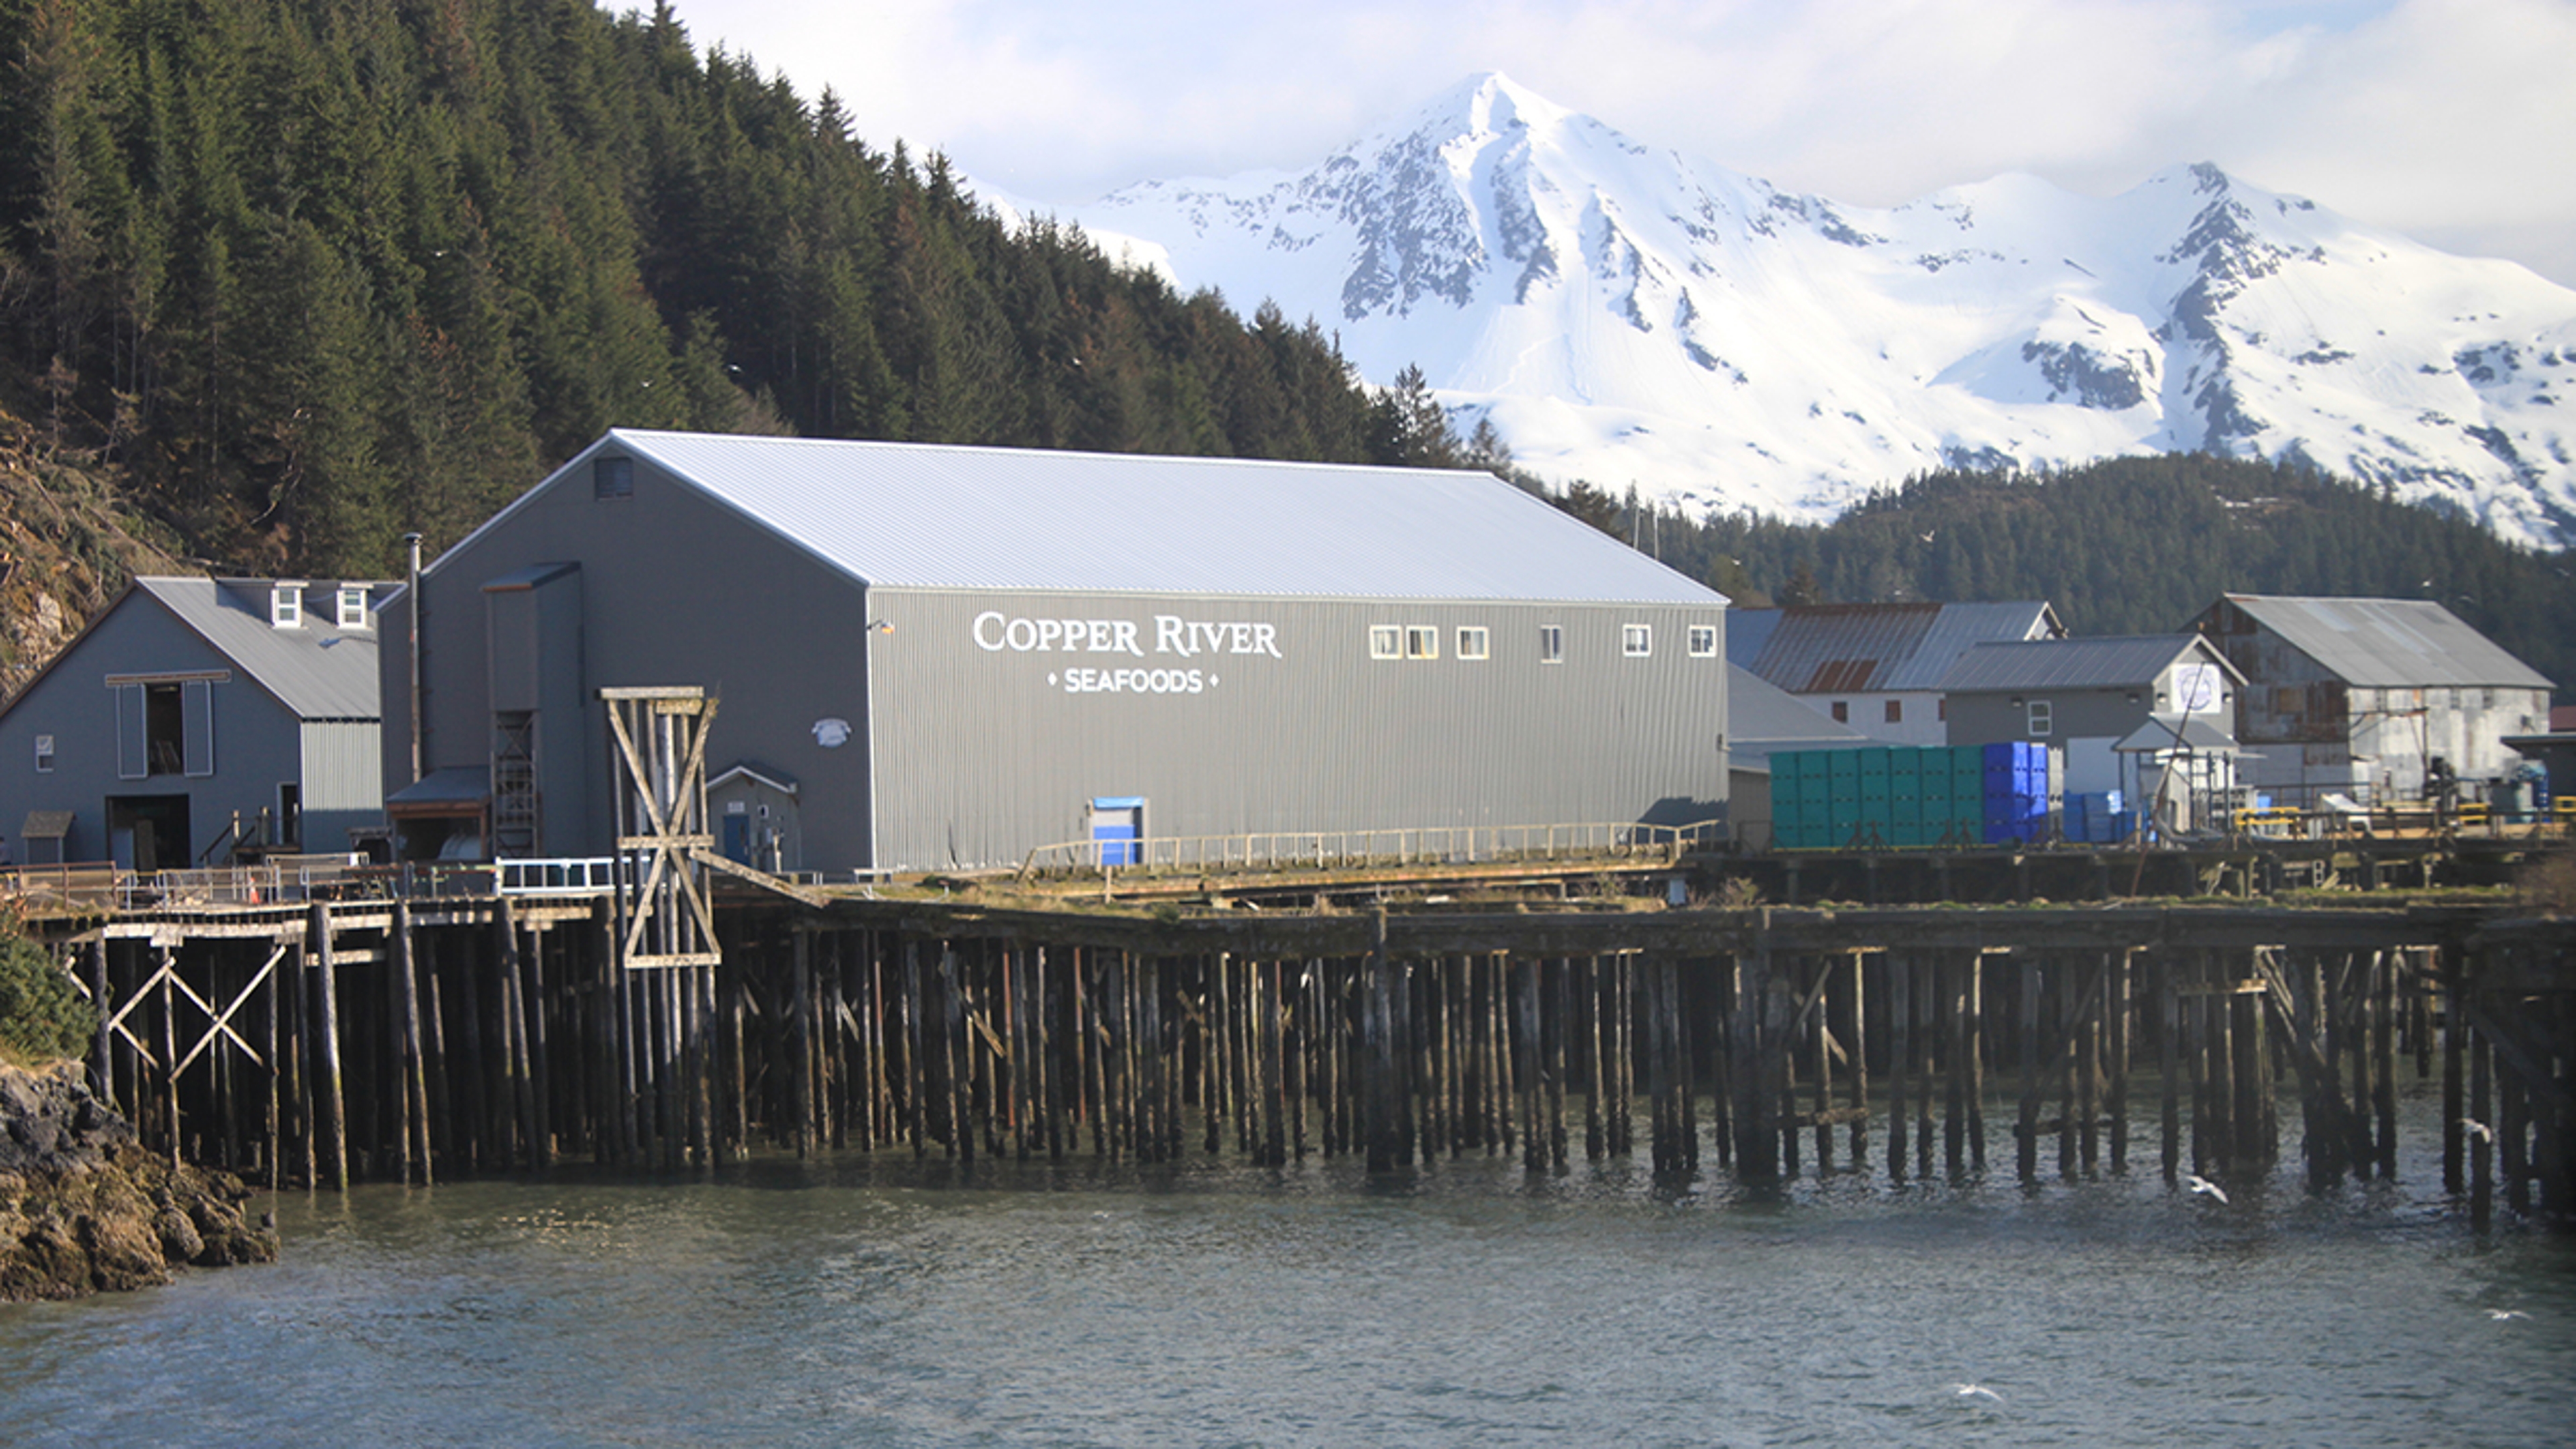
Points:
(934, 657)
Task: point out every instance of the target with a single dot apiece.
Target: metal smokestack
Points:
(411, 541)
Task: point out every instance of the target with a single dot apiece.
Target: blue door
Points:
(1118, 828)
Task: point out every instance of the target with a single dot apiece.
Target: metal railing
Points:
(99, 885)
(564, 876)
(1372, 849)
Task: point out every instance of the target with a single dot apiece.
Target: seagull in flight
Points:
(2202, 1184)
(1976, 1391)
(2477, 1129)
(2501, 1314)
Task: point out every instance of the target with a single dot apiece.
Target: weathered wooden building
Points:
(196, 717)
(2358, 696)
(941, 657)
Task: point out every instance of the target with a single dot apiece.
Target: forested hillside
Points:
(303, 275)
(281, 280)
(2129, 545)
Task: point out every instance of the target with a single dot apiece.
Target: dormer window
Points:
(286, 604)
(353, 606)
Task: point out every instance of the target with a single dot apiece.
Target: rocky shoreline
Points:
(85, 1210)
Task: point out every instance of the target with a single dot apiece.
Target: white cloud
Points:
(2452, 120)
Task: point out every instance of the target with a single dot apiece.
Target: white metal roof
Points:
(923, 516)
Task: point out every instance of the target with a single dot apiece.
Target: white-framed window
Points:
(1703, 641)
(1421, 641)
(1472, 641)
(286, 604)
(44, 754)
(1636, 640)
(2042, 718)
(1551, 644)
(1386, 642)
(353, 606)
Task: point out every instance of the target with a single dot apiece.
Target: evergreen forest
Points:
(282, 280)
(2125, 546)
(311, 274)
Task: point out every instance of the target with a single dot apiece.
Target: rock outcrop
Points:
(84, 1209)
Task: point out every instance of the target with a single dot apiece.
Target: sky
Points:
(2450, 121)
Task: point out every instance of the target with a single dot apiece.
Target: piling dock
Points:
(412, 1039)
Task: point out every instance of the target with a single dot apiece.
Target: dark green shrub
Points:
(42, 1015)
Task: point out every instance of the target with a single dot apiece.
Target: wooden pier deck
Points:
(405, 1040)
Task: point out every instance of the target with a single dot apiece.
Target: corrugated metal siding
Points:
(983, 754)
(341, 766)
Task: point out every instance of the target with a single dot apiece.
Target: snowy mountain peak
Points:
(1625, 314)
(1489, 104)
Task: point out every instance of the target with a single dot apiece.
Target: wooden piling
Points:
(415, 1076)
(2026, 1129)
(334, 1120)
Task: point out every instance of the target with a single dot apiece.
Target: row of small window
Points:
(1895, 710)
(2042, 715)
(286, 605)
(1422, 641)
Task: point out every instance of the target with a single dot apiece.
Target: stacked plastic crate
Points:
(1967, 822)
(2016, 792)
(1884, 797)
(2099, 817)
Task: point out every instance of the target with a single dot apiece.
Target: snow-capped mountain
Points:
(1628, 315)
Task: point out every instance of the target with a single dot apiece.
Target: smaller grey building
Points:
(2106, 706)
(199, 721)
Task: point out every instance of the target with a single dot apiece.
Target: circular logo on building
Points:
(831, 734)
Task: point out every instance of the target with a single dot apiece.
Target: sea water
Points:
(872, 1299)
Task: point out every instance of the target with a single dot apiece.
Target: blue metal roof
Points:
(2097, 663)
(924, 516)
(317, 669)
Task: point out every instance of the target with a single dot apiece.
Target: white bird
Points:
(2478, 1129)
(2501, 1314)
(1971, 1391)
(2202, 1184)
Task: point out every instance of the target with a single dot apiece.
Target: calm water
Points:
(874, 1301)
